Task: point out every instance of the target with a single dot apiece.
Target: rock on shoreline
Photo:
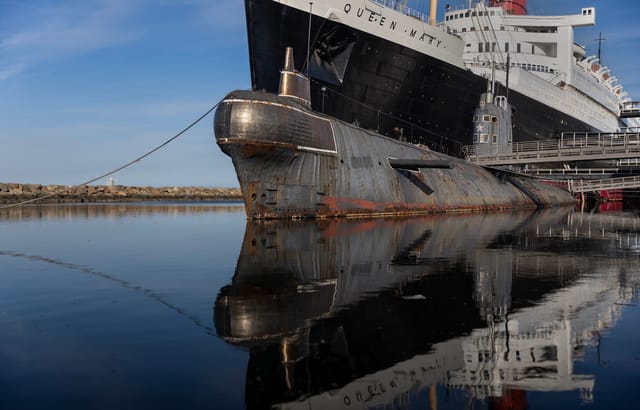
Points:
(11, 193)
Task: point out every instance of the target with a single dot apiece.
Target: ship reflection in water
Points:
(375, 313)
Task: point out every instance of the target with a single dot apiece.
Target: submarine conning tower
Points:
(294, 84)
(492, 126)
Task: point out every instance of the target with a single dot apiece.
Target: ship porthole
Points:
(253, 196)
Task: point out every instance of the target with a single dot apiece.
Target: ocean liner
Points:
(387, 68)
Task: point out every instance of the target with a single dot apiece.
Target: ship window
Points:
(472, 29)
(475, 138)
(486, 46)
(484, 138)
(468, 44)
(473, 14)
(494, 119)
(533, 49)
(475, 118)
(486, 28)
(501, 28)
(518, 48)
(485, 118)
(493, 13)
(506, 47)
(480, 47)
(493, 47)
(464, 30)
(494, 139)
(466, 14)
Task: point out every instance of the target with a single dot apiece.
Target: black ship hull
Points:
(382, 86)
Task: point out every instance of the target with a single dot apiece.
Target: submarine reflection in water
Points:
(342, 313)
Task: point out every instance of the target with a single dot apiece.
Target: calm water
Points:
(188, 306)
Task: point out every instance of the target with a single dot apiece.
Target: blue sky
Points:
(86, 86)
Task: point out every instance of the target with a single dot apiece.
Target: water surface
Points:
(190, 306)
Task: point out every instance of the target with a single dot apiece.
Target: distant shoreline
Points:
(11, 193)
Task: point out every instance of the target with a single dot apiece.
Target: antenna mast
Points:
(599, 40)
(309, 36)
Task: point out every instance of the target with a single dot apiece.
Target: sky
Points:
(88, 85)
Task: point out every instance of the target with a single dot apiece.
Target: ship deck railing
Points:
(630, 109)
(569, 147)
(400, 7)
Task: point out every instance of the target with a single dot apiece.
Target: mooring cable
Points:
(120, 168)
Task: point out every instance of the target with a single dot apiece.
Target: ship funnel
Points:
(294, 84)
(517, 7)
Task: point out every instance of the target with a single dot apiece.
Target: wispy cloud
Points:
(10, 71)
(59, 30)
(226, 15)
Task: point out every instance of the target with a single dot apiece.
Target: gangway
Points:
(608, 184)
(570, 147)
(630, 109)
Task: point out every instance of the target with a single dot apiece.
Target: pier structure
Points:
(623, 146)
(570, 147)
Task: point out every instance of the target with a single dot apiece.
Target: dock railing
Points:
(573, 146)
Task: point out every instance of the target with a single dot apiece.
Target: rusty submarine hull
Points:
(293, 162)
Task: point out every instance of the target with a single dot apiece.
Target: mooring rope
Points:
(120, 168)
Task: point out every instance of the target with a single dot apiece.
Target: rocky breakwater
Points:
(11, 193)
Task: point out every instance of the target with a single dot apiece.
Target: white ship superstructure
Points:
(544, 61)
